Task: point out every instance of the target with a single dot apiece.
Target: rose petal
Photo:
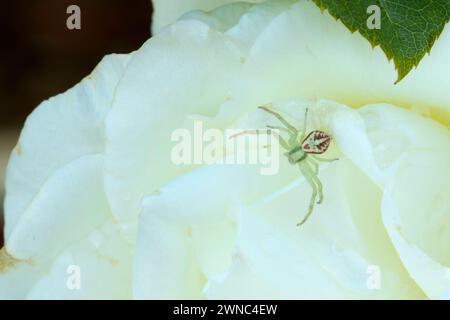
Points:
(220, 19)
(409, 156)
(17, 277)
(103, 260)
(420, 228)
(188, 59)
(179, 220)
(328, 257)
(165, 13)
(59, 131)
(242, 21)
(68, 206)
(164, 265)
(303, 52)
(187, 218)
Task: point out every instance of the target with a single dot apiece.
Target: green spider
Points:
(302, 150)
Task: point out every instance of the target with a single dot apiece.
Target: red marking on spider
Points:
(316, 142)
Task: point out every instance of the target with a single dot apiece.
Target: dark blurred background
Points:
(40, 57)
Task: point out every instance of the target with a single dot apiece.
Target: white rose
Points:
(95, 207)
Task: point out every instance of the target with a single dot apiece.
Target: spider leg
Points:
(257, 132)
(323, 160)
(281, 140)
(289, 126)
(319, 187)
(279, 128)
(305, 122)
(309, 176)
(315, 176)
(314, 163)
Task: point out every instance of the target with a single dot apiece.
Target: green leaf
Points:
(407, 29)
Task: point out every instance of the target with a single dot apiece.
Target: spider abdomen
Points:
(316, 142)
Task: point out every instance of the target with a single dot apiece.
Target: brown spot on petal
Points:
(6, 260)
(18, 150)
(110, 260)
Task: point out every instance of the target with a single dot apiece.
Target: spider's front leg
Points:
(315, 184)
(281, 140)
(269, 131)
(288, 126)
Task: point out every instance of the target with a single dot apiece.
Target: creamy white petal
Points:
(177, 227)
(328, 257)
(431, 275)
(59, 131)
(67, 207)
(227, 231)
(184, 70)
(221, 18)
(102, 261)
(344, 225)
(240, 282)
(242, 21)
(167, 12)
(213, 245)
(409, 156)
(165, 266)
(416, 211)
(17, 277)
(238, 184)
(303, 52)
